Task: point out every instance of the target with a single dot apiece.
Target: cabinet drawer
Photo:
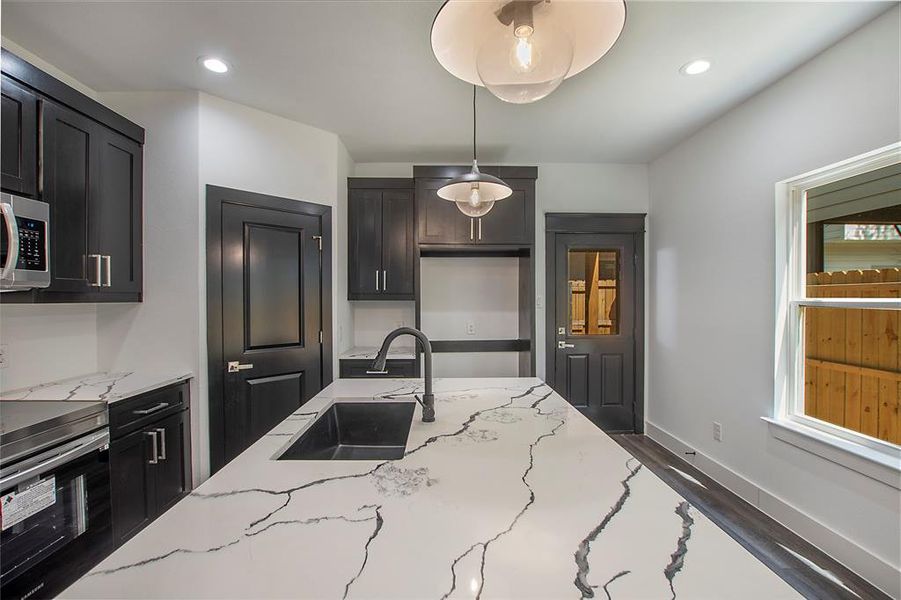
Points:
(128, 415)
(397, 368)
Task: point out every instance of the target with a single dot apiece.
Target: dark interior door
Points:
(271, 319)
(595, 315)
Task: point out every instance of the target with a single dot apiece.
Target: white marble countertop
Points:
(106, 386)
(369, 353)
(511, 493)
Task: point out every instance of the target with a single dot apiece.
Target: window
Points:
(593, 283)
(839, 301)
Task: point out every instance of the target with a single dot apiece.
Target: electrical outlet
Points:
(717, 431)
(4, 356)
(539, 303)
(470, 328)
(399, 324)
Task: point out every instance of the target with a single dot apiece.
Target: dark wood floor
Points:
(807, 569)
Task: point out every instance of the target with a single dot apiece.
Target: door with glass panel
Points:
(595, 322)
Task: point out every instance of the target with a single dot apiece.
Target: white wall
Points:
(373, 320)
(712, 287)
(44, 342)
(163, 332)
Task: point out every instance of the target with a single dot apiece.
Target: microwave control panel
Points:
(32, 244)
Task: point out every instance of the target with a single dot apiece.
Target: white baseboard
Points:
(872, 568)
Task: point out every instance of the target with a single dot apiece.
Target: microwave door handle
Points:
(12, 228)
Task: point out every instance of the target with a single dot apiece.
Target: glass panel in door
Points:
(593, 286)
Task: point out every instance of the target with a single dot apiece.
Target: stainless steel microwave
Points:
(24, 243)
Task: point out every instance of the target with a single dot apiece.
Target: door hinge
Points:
(318, 239)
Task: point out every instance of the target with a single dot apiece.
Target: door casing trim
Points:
(615, 223)
(216, 197)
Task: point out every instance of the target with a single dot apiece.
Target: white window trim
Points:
(866, 455)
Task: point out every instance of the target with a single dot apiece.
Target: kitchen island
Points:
(511, 493)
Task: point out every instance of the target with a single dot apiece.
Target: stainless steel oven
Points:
(54, 498)
(24, 243)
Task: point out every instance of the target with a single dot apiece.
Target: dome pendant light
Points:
(522, 50)
(475, 192)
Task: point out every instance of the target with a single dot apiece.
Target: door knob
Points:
(561, 344)
(235, 366)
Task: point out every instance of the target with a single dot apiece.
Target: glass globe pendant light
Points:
(475, 192)
(526, 63)
(522, 50)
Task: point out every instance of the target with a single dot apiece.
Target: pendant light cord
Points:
(473, 123)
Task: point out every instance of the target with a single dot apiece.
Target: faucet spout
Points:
(428, 399)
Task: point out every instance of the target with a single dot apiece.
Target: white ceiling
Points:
(365, 70)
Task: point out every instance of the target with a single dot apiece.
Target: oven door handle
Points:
(12, 229)
(87, 445)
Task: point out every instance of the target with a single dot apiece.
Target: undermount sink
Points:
(355, 431)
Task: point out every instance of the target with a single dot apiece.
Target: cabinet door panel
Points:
(118, 209)
(171, 468)
(398, 244)
(70, 170)
(131, 485)
(507, 223)
(440, 222)
(364, 222)
(18, 139)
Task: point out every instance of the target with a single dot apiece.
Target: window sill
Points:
(881, 466)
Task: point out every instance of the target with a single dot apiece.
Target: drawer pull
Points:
(385, 372)
(152, 409)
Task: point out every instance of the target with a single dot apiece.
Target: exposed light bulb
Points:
(523, 57)
(475, 199)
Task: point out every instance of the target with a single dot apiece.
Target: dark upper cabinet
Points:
(364, 221)
(18, 139)
(117, 213)
(398, 243)
(71, 145)
(510, 222)
(381, 243)
(90, 173)
(440, 222)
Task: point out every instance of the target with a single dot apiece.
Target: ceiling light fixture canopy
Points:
(522, 50)
(475, 192)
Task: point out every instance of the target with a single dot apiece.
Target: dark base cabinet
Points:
(150, 457)
(359, 369)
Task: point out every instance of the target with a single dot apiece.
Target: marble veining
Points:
(104, 387)
(511, 493)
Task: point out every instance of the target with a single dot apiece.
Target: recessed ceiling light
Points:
(695, 67)
(216, 65)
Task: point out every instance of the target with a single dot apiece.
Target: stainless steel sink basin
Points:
(355, 431)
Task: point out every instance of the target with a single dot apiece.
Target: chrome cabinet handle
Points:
(472, 225)
(384, 281)
(156, 447)
(376, 280)
(12, 228)
(562, 344)
(162, 432)
(98, 278)
(108, 271)
(385, 372)
(235, 366)
(480, 228)
(149, 411)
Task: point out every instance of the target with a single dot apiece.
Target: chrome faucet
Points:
(428, 399)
